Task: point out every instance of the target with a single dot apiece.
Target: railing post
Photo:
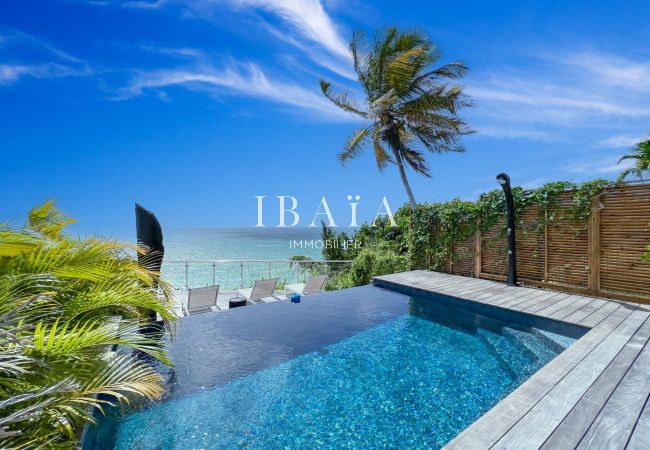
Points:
(241, 275)
(269, 269)
(187, 278)
(214, 274)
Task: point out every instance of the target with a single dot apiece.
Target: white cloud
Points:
(309, 18)
(598, 166)
(309, 27)
(556, 98)
(178, 52)
(44, 60)
(513, 133)
(332, 63)
(144, 4)
(614, 70)
(563, 94)
(24, 40)
(10, 73)
(621, 141)
(249, 80)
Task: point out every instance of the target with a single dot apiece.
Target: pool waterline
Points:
(339, 369)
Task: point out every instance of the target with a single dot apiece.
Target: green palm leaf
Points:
(342, 100)
(64, 303)
(640, 154)
(409, 103)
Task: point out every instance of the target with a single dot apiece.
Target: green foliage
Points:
(640, 154)
(64, 303)
(408, 103)
(437, 227)
(428, 234)
(371, 262)
(583, 196)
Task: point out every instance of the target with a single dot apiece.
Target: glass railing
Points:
(237, 273)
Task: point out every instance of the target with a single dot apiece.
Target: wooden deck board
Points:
(533, 429)
(546, 296)
(585, 310)
(574, 426)
(617, 419)
(572, 307)
(583, 396)
(600, 314)
(640, 439)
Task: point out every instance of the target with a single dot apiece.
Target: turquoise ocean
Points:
(198, 248)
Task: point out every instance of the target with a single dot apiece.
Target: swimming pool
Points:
(358, 368)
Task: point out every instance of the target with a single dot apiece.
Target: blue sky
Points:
(193, 107)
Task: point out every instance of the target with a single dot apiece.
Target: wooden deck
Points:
(593, 395)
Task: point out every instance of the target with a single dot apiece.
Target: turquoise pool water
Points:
(381, 369)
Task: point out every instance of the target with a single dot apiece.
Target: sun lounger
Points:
(261, 290)
(201, 300)
(312, 286)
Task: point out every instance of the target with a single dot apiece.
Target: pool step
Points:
(512, 359)
(555, 341)
(533, 346)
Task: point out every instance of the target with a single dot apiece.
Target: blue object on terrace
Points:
(295, 298)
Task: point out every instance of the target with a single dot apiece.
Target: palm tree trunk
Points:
(405, 181)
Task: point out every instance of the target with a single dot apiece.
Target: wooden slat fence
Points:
(602, 257)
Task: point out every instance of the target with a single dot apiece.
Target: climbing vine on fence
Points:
(433, 232)
(437, 227)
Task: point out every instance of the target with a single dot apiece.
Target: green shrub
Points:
(371, 262)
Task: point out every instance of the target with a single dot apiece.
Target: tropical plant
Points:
(640, 153)
(371, 262)
(65, 304)
(407, 102)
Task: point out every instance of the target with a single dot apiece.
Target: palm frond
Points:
(354, 146)
(404, 67)
(17, 242)
(381, 156)
(59, 340)
(342, 100)
(359, 51)
(641, 155)
(64, 302)
(438, 140)
(47, 220)
(122, 375)
(415, 160)
(118, 293)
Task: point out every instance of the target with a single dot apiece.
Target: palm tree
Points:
(641, 155)
(64, 303)
(407, 102)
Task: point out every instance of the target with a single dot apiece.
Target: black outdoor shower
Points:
(504, 180)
